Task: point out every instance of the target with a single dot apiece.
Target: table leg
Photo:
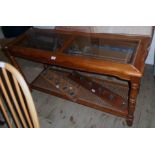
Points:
(45, 66)
(15, 64)
(134, 89)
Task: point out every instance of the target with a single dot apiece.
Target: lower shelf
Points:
(84, 96)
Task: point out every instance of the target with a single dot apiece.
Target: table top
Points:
(118, 55)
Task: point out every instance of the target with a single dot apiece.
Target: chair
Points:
(16, 103)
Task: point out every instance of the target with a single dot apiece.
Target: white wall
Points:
(45, 27)
(131, 30)
(150, 58)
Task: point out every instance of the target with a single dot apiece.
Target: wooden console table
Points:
(102, 71)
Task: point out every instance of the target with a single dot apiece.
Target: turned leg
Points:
(15, 64)
(134, 89)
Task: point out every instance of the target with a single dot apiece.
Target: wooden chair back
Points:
(16, 103)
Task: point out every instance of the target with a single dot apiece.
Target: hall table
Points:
(102, 71)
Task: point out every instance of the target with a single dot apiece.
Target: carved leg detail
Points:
(132, 102)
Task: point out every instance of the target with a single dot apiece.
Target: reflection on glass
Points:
(102, 49)
(44, 42)
(89, 46)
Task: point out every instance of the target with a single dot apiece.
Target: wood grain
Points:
(131, 72)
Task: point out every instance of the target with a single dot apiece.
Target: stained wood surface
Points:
(55, 112)
(131, 72)
(81, 95)
(97, 89)
(124, 71)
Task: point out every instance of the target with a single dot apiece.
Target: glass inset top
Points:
(120, 51)
(85, 45)
(50, 42)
